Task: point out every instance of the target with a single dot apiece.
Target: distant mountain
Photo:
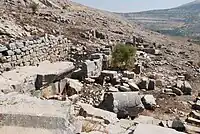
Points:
(181, 21)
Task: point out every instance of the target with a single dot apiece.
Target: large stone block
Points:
(32, 77)
(92, 68)
(23, 114)
(122, 103)
(50, 72)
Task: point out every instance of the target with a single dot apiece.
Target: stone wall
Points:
(32, 51)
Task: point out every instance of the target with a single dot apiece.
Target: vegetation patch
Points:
(123, 56)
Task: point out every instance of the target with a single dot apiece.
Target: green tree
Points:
(123, 56)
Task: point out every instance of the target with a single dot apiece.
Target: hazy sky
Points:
(132, 5)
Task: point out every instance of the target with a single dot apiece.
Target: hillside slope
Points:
(183, 20)
(59, 17)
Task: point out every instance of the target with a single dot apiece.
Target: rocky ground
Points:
(79, 89)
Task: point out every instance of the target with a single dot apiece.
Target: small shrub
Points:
(34, 7)
(123, 56)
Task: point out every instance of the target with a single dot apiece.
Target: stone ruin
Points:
(57, 96)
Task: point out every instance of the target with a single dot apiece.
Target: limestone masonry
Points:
(32, 51)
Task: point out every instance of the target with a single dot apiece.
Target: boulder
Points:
(177, 91)
(74, 86)
(151, 85)
(144, 84)
(179, 84)
(122, 103)
(138, 68)
(187, 90)
(133, 86)
(28, 115)
(149, 102)
(178, 125)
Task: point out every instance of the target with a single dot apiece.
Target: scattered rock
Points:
(177, 91)
(149, 102)
(74, 87)
(144, 83)
(187, 90)
(133, 86)
(138, 68)
(151, 85)
(178, 125)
